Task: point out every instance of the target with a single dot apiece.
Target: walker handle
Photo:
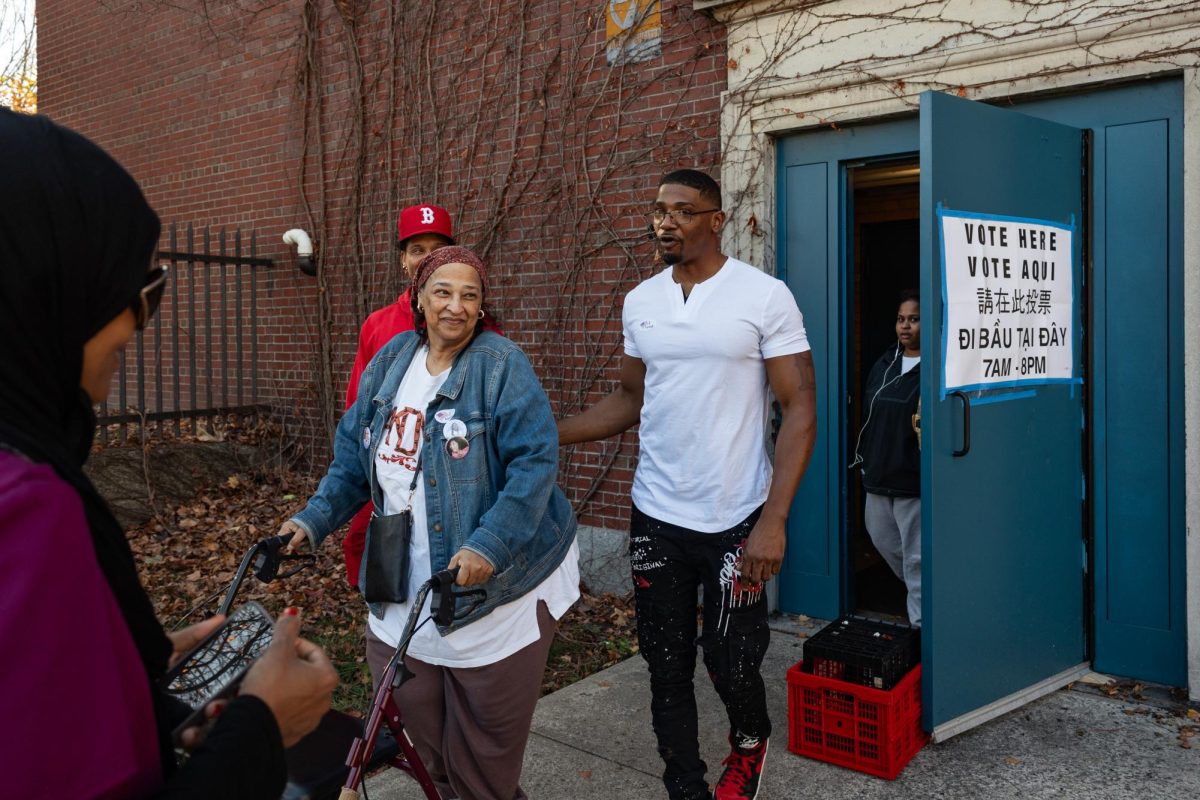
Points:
(441, 605)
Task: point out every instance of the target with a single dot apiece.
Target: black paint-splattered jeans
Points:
(669, 563)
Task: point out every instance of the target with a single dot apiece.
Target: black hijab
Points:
(76, 238)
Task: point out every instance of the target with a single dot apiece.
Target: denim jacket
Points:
(500, 501)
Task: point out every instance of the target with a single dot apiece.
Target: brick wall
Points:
(332, 116)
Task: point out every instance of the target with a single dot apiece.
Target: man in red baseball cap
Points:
(420, 230)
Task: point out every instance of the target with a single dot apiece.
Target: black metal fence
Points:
(198, 357)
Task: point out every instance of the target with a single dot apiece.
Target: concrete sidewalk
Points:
(593, 740)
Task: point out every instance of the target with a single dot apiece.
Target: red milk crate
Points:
(870, 730)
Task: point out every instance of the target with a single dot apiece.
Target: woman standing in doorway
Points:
(889, 452)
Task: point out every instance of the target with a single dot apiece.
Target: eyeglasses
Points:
(679, 216)
(147, 300)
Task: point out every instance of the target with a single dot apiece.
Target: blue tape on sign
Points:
(945, 304)
(985, 387)
(1000, 398)
(1063, 226)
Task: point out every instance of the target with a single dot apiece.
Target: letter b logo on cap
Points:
(416, 220)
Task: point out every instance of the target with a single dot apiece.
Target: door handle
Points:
(966, 448)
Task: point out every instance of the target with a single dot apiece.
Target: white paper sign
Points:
(1009, 292)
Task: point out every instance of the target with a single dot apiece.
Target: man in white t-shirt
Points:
(704, 341)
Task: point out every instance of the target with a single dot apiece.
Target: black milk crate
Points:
(865, 651)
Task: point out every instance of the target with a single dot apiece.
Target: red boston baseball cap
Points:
(416, 220)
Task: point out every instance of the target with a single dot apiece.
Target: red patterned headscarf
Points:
(449, 255)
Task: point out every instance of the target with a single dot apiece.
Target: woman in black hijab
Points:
(82, 648)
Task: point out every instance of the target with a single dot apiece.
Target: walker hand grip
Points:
(443, 579)
(270, 556)
(441, 605)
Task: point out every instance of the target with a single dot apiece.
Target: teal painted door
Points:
(1140, 617)
(812, 209)
(1134, 349)
(1002, 525)
(812, 580)
(1136, 360)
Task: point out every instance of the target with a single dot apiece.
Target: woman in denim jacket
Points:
(452, 426)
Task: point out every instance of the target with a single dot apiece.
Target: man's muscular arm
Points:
(793, 382)
(616, 413)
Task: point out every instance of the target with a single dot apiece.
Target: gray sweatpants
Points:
(470, 725)
(894, 524)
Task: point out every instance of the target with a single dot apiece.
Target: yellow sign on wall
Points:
(633, 31)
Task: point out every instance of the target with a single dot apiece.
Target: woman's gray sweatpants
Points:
(894, 524)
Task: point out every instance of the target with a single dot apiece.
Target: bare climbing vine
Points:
(508, 114)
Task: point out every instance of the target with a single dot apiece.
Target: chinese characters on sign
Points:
(633, 31)
(1010, 301)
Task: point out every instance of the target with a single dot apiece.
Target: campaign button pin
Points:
(454, 429)
(458, 447)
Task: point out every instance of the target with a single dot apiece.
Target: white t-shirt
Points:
(703, 462)
(908, 362)
(509, 627)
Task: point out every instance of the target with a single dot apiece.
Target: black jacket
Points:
(891, 458)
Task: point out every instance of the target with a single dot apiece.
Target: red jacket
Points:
(379, 329)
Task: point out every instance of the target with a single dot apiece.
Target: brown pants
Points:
(470, 726)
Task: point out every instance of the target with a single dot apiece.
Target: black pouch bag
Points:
(388, 539)
(385, 578)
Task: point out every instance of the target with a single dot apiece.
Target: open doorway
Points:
(886, 261)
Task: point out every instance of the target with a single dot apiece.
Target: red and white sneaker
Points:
(743, 769)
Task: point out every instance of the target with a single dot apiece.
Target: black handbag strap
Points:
(377, 490)
(412, 487)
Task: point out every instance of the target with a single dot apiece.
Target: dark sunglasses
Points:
(147, 300)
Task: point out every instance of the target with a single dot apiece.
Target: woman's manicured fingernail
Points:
(292, 611)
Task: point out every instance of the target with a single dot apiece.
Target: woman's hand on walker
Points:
(298, 534)
(183, 641)
(472, 567)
